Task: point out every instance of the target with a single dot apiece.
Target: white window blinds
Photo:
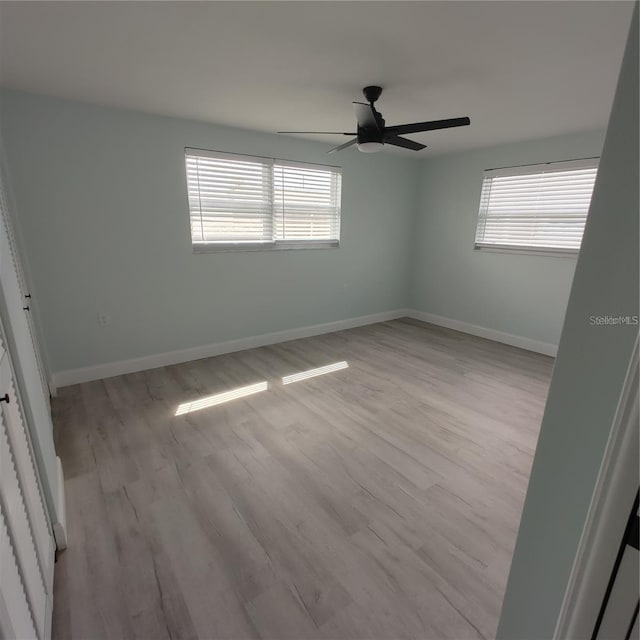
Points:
(306, 202)
(230, 199)
(536, 208)
(244, 200)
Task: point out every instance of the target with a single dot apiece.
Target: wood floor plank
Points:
(380, 500)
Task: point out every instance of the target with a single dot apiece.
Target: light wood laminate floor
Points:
(380, 500)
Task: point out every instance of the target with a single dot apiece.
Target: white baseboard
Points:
(110, 369)
(60, 526)
(529, 344)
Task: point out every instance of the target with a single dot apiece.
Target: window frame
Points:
(250, 245)
(527, 169)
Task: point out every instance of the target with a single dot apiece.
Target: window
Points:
(248, 202)
(539, 208)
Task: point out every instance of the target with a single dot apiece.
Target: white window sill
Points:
(224, 247)
(528, 251)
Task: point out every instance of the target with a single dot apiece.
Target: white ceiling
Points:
(519, 70)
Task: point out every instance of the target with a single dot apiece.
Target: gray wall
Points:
(102, 207)
(587, 379)
(105, 230)
(520, 294)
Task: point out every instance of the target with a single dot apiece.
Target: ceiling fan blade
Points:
(404, 142)
(343, 146)
(329, 133)
(417, 127)
(366, 116)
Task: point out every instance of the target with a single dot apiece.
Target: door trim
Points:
(60, 526)
(615, 491)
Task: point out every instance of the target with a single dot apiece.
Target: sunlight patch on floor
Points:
(312, 373)
(220, 398)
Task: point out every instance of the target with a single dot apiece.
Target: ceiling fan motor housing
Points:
(370, 134)
(372, 93)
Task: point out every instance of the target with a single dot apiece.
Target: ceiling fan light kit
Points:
(372, 133)
(370, 147)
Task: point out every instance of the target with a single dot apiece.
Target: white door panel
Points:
(15, 615)
(13, 425)
(26, 540)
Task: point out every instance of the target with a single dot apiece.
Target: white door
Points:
(26, 540)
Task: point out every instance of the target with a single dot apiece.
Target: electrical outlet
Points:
(104, 319)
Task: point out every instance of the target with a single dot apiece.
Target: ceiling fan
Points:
(372, 134)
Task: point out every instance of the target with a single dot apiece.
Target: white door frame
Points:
(613, 496)
(6, 208)
(29, 368)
